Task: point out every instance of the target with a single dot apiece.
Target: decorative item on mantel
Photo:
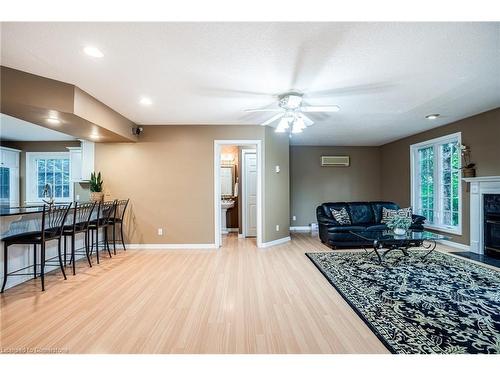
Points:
(399, 224)
(468, 168)
(96, 194)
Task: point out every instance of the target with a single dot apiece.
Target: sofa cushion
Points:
(328, 206)
(361, 213)
(388, 214)
(377, 209)
(341, 216)
(377, 227)
(347, 228)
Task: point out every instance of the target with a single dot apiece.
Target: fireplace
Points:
(491, 209)
(484, 206)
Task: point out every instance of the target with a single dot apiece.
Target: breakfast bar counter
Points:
(18, 220)
(12, 211)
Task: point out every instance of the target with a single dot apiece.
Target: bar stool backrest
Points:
(108, 210)
(53, 219)
(82, 214)
(121, 206)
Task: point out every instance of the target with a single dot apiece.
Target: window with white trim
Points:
(435, 182)
(51, 168)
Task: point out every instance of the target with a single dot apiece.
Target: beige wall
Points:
(53, 146)
(168, 175)
(312, 184)
(276, 185)
(480, 132)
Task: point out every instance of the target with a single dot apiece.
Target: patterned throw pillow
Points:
(388, 214)
(341, 216)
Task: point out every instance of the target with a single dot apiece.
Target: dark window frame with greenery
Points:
(436, 189)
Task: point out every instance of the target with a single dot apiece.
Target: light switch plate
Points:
(278, 169)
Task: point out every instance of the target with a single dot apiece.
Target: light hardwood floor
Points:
(239, 299)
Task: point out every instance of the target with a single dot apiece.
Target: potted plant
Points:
(399, 224)
(468, 168)
(96, 194)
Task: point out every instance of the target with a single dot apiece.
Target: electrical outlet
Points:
(278, 169)
(160, 231)
(294, 217)
(78, 197)
(277, 228)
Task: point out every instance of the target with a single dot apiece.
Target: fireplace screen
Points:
(492, 224)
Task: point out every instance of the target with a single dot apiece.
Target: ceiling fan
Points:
(291, 109)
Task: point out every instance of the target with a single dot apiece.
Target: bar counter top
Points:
(11, 211)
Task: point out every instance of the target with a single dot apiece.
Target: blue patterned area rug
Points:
(442, 304)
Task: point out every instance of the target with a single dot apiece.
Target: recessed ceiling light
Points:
(53, 121)
(93, 51)
(432, 116)
(145, 101)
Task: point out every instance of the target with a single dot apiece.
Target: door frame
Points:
(217, 202)
(244, 189)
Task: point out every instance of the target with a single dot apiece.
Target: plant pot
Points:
(469, 172)
(96, 196)
(399, 231)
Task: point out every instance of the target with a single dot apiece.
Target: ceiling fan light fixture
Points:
(283, 125)
(298, 126)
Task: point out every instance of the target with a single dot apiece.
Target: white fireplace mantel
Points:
(478, 187)
(482, 179)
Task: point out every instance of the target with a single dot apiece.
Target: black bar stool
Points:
(117, 219)
(105, 211)
(82, 214)
(51, 228)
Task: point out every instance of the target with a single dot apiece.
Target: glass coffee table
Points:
(387, 240)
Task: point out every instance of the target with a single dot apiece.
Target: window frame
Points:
(31, 178)
(436, 143)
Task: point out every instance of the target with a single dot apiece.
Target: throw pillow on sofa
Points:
(342, 216)
(388, 214)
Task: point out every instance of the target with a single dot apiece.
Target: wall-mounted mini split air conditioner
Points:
(335, 161)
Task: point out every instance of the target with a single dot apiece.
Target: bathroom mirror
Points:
(226, 180)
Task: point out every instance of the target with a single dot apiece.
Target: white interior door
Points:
(250, 193)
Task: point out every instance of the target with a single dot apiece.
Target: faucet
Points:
(48, 194)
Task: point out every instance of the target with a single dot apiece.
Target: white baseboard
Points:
(456, 245)
(170, 246)
(232, 230)
(275, 242)
(305, 228)
(241, 235)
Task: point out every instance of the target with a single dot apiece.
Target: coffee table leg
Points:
(432, 246)
(404, 249)
(375, 248)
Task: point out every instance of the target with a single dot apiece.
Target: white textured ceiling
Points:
(385, 76)
(14, 129)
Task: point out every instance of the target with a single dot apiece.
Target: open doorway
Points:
(238, 189)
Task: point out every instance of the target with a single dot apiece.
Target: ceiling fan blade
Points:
(320, 108)
(264, 110)
(307, 120)
(362, 89)
(229, 93)
(272, 119)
